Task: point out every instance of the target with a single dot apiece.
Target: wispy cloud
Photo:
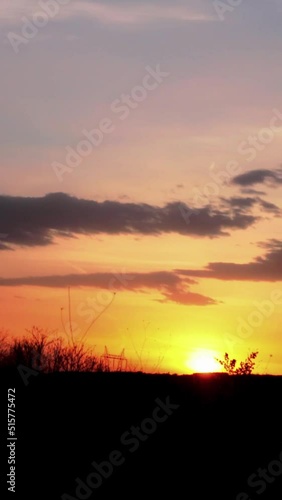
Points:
(172, 287)
(138, 13)
(122, 13)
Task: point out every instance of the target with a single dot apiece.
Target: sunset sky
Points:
(174, 207)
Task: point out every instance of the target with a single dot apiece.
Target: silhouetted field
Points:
(224, 429)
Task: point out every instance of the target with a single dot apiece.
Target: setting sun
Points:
(203, 362)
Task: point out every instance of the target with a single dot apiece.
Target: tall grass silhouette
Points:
(38, 351)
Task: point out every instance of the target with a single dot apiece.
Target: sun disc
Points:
(203, 362)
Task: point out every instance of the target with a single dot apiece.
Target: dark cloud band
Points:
(37, 221)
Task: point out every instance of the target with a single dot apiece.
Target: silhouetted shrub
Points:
(246, 367)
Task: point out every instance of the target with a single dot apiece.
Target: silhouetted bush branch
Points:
(246, 367)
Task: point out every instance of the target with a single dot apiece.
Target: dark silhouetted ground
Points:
(223, 431)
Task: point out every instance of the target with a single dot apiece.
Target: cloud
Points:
(271, 178)
(245, 204)
(4, 247)
(172, 287)
(37, 221)
(270, 207)
(252, 191)
(138, 13)
(111, 12)
(266, 268)
(241, 203)
(185, 297)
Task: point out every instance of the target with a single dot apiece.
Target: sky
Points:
(141, 173)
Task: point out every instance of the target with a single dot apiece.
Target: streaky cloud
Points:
(262, 268)
(169, 284)
(32, 221)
